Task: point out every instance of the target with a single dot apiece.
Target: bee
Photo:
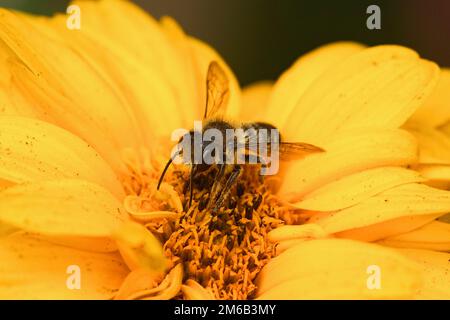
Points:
(217, 96)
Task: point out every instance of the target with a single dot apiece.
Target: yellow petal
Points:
(446, 128)
(432, 236)
(128, 78)
(436, 109)
(438, 176)
(337, 269)
(153, 215)
(94, 244)
(174, 281)
(192, 290)
(405, 200)
(6, 105)
(91, 110)
(434, 146)
(353, 189)
(254, 102)
(188, 67)
(142, 285)
(304, 231)
(202, 56)
(290, 235)
(157, 49)
(435, 266)
(33, 150)
(32, 268)
(5, 184)
(11, 101)
(112, 66)
(388, 228)
(347, 153)
(293, 83)
(445, 218)
(379, 87)
(140, 248)
(116, 20)
(136, 281)
(50, 106)
(61, 208)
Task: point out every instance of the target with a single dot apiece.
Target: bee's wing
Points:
(217, 91)
(288, 151)
(296, 150)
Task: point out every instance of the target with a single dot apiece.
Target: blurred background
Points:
(261, 38)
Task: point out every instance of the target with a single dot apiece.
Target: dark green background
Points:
(261, 38)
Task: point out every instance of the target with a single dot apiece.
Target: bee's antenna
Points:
(164, 173)
(167, 167)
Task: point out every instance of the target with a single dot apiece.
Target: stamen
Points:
(211, 255)
(224, 251)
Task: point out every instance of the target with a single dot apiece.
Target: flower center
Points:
(223, 251)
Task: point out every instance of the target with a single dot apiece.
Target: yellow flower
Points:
(85, 121)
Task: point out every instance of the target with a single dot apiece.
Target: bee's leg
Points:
(213, 194)
(232, 179)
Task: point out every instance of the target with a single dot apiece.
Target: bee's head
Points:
(185, 140)
(187, 137)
